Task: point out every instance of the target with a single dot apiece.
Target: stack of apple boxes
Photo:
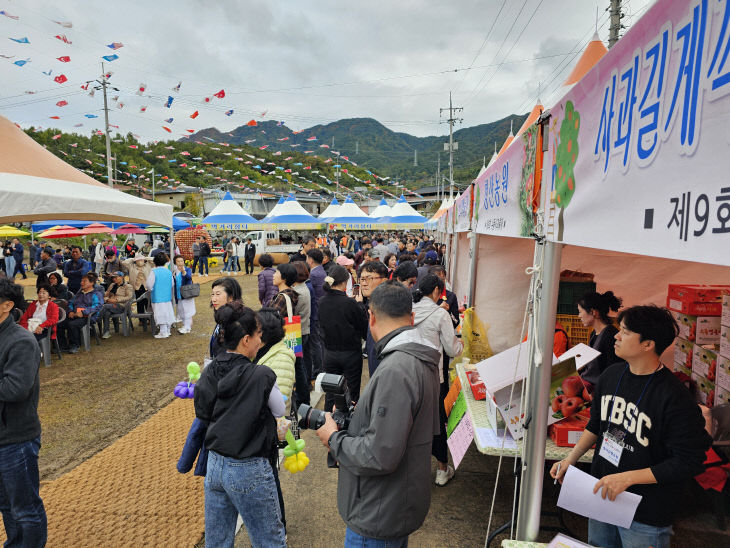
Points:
(702, 351)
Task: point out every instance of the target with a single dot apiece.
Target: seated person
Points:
(41, 315)
(58, 289)
(112, 265)
(86, 303)
(116, 298)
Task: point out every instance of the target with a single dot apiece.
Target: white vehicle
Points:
(267, 241)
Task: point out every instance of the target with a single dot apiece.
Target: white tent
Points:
(349, 209)
(228, 215)
(383, 210)
(36, 185)
(291, 215)
(331, 210)
(274, 210)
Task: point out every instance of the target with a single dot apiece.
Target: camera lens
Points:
(310, 418)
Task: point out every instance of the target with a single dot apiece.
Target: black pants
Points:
(19, 267)
(69, 332)
(195, 263)
(248, 265)
(439, 449)
(347, 363)
(301, 379)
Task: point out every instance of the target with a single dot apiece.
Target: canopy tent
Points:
(444, 208)
(531, 119)
(351, 216)
(507, 141)
(8, 231)
(330, 211)
(403, 215)
(275, 210)
(36, 185)
(228, 215)
(291, 215)
(383, 210)
(593, 53)
(130, 229)
(177, 224)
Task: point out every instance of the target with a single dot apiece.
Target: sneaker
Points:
(106, 335)
(183, 330)
(444, 476)
(160, 336)
(206, 275)
(73, 350)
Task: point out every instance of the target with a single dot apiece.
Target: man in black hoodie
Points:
(384, 486)
(20, 436)
(649, 433)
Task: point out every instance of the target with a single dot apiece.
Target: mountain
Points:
(369, 143)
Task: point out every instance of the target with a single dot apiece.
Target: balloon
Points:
(193, 371)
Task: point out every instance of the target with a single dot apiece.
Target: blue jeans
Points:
(21, 506)
(246, 487)
(353, 540)
(232, 265)
(639, 535)
(202, 262)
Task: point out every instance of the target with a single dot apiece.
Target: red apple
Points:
(572, 386)
(570, 406)
(557, 402)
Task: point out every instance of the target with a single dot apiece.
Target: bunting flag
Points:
(311, 138)
(169, 120)
(62, 38)
(23, 40)
(169, 101)
(264, 113)
(206, 100)
(283, 139)
(279, 124)
(78, 125)
(55, 117)
(56, 137)
(64, 58)
(194, 115)
(141, 89)
(177, 87)
(115, 45)
(47, 72)
(64, 24)
(91, 115)
(221, 94)
(62, 103)
(229, 112)
(167, 129)
(6, 14)
(190, 130)
(21, 62)
(252, 123)
(143, 108)
(85, 86)
(60, 79)
(110, 58)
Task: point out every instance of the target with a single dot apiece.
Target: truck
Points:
(269, 241)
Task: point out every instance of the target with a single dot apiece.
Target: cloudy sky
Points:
(305, 62)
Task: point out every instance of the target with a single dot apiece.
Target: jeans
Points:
(22, 508)
(246, 487)
(232, 265)
(353, 540)
(195, 263)
(10, 266)
(301, 378)
(639, 535)
(202, 262)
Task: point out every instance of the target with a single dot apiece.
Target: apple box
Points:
(723, 373)
(725, 341)
(683, 352)
(704, 362)
(705, 389)
(566, 433)
(725, 320)
(698, 329)
(721, 396)
(477, 386)
(698, 300)
(679, 368)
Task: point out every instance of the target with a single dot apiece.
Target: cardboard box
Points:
(679, 368)
(478, 387)
(721, 396)
(683, 352)
(725, 320)
(697, 293)
(705, 389)
(698, 329)
(704, 362)
(722, 380)
(566, 433)
(725, 341)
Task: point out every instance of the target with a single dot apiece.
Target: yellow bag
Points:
(474, 337)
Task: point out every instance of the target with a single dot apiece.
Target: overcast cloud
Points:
(279, 57)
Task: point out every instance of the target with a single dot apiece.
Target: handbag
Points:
(293, 329)
(190, 291)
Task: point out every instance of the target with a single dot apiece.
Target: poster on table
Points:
(638, 149)
(503, 194)
(462, 211)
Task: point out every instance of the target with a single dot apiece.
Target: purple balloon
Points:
(191, 391)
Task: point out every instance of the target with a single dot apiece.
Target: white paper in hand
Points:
(577, 496)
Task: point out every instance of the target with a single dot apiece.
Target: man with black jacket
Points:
(249, 253)
(371, 275)
(384, 456)
(204, 254)
(20, 436)
(649, 433)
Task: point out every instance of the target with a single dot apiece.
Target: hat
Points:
(432, 256)
(344, 261)
(119, 273)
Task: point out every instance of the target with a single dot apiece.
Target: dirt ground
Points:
(89, 400)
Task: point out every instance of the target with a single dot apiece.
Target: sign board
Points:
(446, 146)
(638, 148)
(462, 211)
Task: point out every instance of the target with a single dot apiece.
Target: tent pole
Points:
(454, 262)
(473, 250)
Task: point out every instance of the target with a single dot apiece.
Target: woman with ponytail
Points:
(238, 401)
(434, 324)
(593, 309)
(344, 326)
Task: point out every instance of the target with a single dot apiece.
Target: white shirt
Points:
(40, 311)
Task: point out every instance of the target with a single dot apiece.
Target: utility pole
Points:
(152, 171)
(415, 158)
(451, 146)
(615, 26)
(114, 168)
(333, 142)
(357, 147)
(438, 176)
(103, 84)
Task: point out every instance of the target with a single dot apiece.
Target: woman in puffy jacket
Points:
(434, 323)
(267, 289)
(275, 353)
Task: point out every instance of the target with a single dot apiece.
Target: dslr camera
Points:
(313, 419)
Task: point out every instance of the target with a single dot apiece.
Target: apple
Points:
(572, 386)
(557, 402)
(570, 406)
(586, 395)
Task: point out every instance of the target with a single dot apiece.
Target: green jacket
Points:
(280, 359)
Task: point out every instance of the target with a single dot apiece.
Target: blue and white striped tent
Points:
(290, 215)
(331, 211)
(403, 215)
(350, 216)
(228, 215)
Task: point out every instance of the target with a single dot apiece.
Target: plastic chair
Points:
(47, 342)
(142, 316)
(91, 325)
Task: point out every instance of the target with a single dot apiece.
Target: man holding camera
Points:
(384, 456)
